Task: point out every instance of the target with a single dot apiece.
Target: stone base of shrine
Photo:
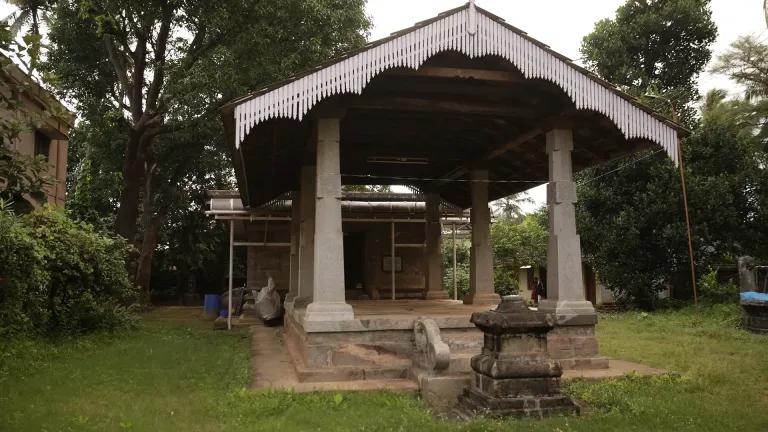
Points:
(473, 402)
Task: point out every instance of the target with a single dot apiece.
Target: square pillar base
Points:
(326, 311)
(569, 312)
(573, 342)
(575, 347)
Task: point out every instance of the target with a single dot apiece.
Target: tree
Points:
(163, 67)
(511, 207)
(654, 46)
(630, 210)
(746, 62)
(631, 224)
(517, 242)
(28, 13)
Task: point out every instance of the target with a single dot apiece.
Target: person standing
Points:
(535, 291)
(541, 291)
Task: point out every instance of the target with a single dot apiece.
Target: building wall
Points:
(275, 260)
(57, 160)
(409, 282)
(34, 113)
(265, 261)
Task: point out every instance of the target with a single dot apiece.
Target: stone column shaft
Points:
(481, 289)
(433, 259)
(565, 284)
(328, 302)
(306, 235)
(293, 289)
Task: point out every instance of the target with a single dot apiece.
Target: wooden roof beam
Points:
(461, 73)
(437, 106)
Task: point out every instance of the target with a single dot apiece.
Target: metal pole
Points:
(392, 260)
(687, 223)
(231, 259)
(455, 285)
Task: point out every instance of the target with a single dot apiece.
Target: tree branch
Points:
(160, 58)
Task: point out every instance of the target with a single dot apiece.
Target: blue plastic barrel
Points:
(223, 313)
(211, 305)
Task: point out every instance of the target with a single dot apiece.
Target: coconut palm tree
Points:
(511, 207)
(28, 13)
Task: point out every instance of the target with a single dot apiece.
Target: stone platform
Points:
(379, 342)
(375, 352)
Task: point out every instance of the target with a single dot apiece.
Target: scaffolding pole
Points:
(455, 285)
(392, 260)
(231, 259)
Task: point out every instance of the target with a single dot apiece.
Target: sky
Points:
(562, 24)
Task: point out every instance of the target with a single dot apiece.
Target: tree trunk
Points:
(133, 172)
(148, 245)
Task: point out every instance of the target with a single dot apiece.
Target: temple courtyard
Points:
(175, 373)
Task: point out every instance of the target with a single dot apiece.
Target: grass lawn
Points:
(175, 374)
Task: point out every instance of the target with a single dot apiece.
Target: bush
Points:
(61, 276)
(712, 291)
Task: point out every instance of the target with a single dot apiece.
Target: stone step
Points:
(367, 356)
(394, 385)
(394, 370)
(349, 373)
(465, 342)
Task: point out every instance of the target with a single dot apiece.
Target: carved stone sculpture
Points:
(432, 353)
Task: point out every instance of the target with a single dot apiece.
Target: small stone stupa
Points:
(514, 375)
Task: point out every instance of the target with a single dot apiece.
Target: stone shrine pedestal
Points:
(514, 375)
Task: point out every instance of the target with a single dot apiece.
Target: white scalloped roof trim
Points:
(453, 33)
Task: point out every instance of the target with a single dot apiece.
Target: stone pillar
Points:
(306, 236)
(573, 341)
(433, 258)
(481, 290)
(328, 302)
(293, 288)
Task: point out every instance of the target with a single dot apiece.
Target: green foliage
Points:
(632, 223)
(462, 264)
(22, 177)
(22, 278)
(654, 46)
(630, 212)
(517, 243)
(714, 291)
(151, 142)
(618, 396)
(60, 276)
(746, 62)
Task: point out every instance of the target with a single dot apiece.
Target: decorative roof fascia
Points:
(475, 33)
